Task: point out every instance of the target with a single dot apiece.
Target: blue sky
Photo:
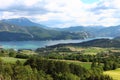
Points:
(89, 1)
(63, 13)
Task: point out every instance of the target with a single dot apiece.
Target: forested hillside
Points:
(19, 33)
(105, 43)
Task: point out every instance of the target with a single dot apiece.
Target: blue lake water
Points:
(36, 44)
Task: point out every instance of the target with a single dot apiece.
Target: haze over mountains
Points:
(22, 21)
(95, 31)
(24, 29)
(104, 43)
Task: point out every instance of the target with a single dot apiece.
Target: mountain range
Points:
(95, 31)
(20, 29)
(24, 29)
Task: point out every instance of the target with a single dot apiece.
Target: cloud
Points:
(5, 3)
(27, 6)
(63, 13)
(106, 12)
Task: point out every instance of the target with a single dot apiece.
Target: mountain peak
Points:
(16, 19)
(24, 18)
(22, 21)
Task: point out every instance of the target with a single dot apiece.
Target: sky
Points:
(64, 13)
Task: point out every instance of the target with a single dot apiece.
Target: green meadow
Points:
(115, 74)
(87, 65)
(11, 59)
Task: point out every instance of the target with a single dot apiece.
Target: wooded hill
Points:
(12, 32)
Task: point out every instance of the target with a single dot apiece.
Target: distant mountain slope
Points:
(117, 38)
(96, 31)
(11, 32)
(106, 43)
(101, 43)
(22, 22)
(93, 31)
(13, 36)
(112, 31)
(12, 28)
(82, 28)
(89, 29)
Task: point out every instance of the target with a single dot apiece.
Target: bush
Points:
(23, 56)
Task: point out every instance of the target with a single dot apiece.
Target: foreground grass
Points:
(115, 74)
(87, 65)
(11, 59)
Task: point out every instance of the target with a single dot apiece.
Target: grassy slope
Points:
(88, 50)
(87, 65)
(114, 73)
(11, 59)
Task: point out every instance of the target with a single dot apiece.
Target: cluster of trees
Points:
(5, 53)
(13, 53)
(72, 56)
(43, 69)
(18, 71)
(110, 62)
(62, 71)
(51, 49)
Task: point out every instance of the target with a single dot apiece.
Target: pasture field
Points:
(88, 50)
(11, 59)
(87, 65)
(115, 74)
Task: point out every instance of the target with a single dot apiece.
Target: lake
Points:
(37, 44)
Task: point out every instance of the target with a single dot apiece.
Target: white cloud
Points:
(63, 13)
(31, 2)
(6, 3)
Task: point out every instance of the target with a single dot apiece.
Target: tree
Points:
(66, 76)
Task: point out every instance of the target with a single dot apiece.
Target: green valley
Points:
(66, 62)
(59, 39)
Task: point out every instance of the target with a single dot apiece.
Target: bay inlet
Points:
(38, 44)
